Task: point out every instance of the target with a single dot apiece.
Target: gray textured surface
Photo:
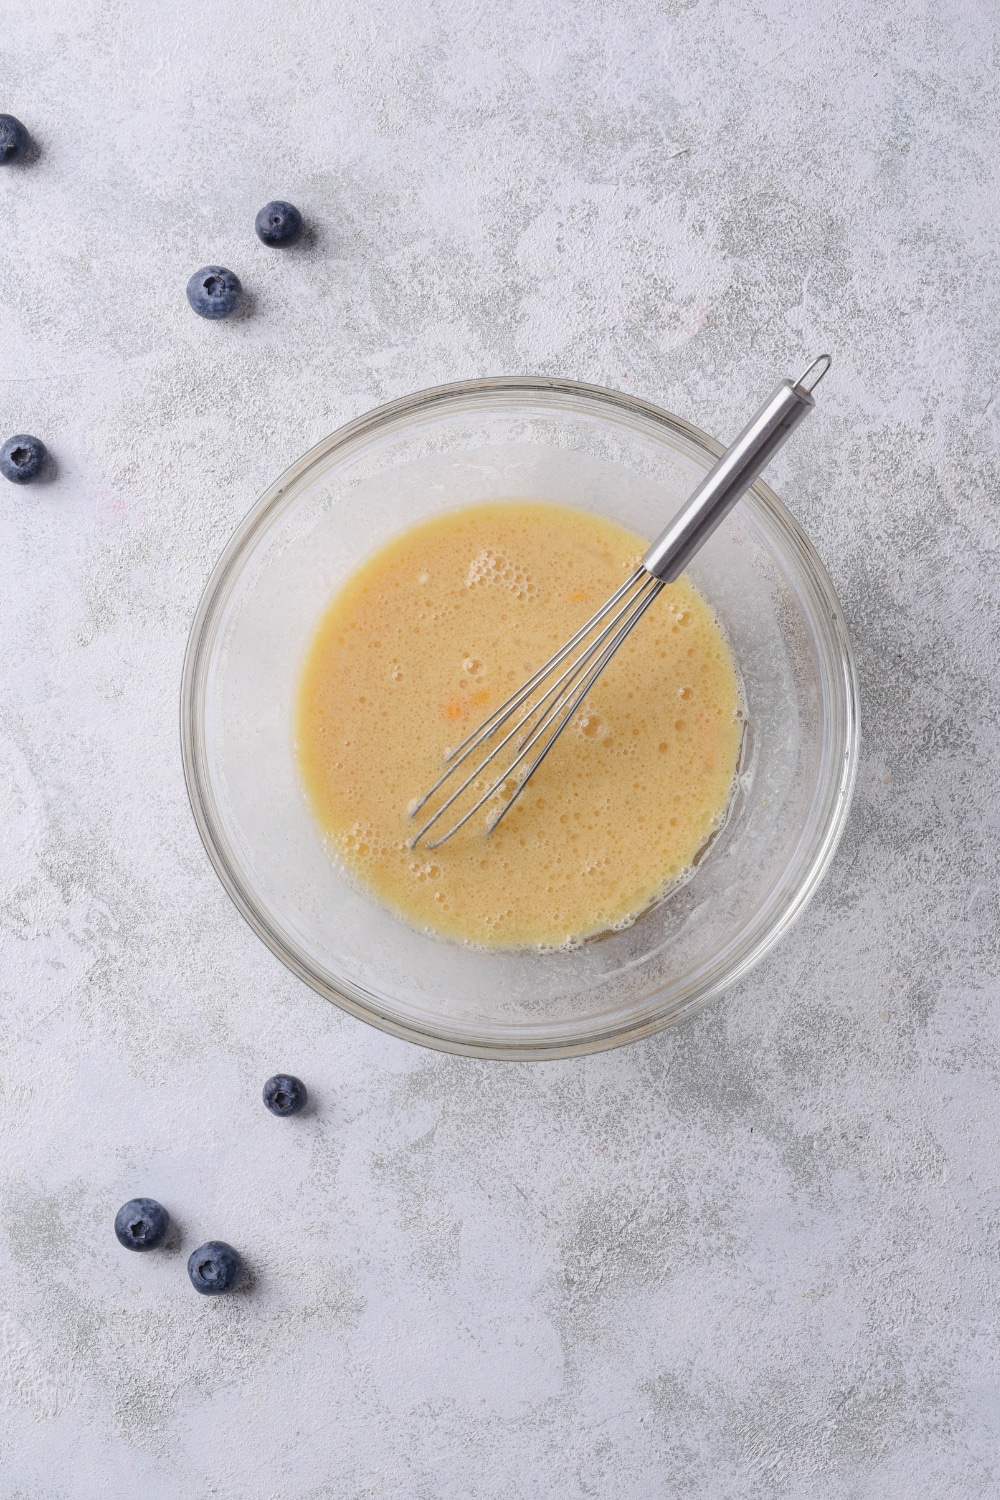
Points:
(756, 1256)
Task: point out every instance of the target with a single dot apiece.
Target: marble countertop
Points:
(754, 1256)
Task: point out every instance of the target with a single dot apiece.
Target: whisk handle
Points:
(734, 473)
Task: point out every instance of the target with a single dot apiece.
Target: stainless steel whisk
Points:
(551, 696)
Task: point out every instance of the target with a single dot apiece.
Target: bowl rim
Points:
(192, 733)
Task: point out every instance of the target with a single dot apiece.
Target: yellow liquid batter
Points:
(434, 631)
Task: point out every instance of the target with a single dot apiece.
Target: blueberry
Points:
(22, 458)
(285, 1095)
(214, 1267)
(278, 223)
(214, 292)
(141, 1224)
(13, 139)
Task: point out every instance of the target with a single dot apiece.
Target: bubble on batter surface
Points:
(489, 567)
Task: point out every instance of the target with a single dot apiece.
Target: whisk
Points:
(544, 704)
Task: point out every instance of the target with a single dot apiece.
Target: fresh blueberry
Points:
(214, 292)
(22, 458)
(278, 223)
(13, 139)
(214, 1267)
(285, 1095)
(141, 1224)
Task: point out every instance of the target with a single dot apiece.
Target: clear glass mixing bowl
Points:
(449, 447)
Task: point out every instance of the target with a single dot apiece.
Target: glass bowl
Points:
(492, 440)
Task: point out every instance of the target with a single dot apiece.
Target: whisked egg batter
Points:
(433, 632)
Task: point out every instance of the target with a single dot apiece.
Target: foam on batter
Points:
(434, 631)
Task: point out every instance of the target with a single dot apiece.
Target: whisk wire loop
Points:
(575, 701)
(561, 698)
(500, 715)
(516, 700)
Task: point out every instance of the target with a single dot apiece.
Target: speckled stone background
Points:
(753, 1257)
